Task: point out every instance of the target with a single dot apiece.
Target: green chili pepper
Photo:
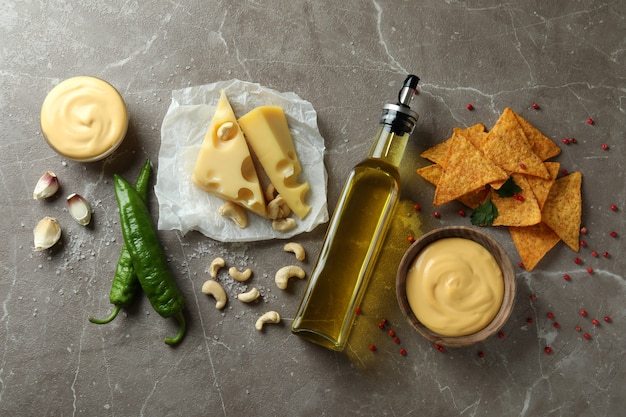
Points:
(125, 285)
(153, 272)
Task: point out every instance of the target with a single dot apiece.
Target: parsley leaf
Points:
(509, 188)
(485, 214)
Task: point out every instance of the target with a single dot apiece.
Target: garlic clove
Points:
(46, 233)
(79, 209)
(47, 186)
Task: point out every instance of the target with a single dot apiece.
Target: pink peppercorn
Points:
(590, 121)
(578, 261)
(590, 270)
(605, 147)
(613, 234)
(587, 336)
(403, 352)
(547, 350)
(372, 348)
(606, 255)
(550, 315)
(566, 277)
(613, 207)
(607, 319)
(469, 107)
(595, 322)
(594, 254)
(583, 313)
(535, 106)
(565, 141)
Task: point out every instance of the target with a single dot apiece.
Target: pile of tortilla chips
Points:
(472, 164)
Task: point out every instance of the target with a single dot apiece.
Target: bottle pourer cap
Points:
(400, 116)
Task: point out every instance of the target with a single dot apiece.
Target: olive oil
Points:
(356, 231)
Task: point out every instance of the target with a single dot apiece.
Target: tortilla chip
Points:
(467, 170)
(562, 210)
(475, 134)
(540, 186)
(517, 212)
(541, 145)
(474, 198)
(507, 146)
(437, 153)
(533, 243)
(431, 173)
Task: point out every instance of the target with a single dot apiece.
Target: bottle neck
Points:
(389, 146)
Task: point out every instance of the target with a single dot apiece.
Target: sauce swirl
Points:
(455, 287)
(84, 118)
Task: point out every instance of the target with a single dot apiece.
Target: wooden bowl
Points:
(508, 274)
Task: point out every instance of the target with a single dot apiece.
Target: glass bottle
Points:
(356, 231)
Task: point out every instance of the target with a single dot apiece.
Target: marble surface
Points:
(347, 58)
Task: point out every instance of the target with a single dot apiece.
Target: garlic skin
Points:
(47, 186)
(46, 233)
(79, 209)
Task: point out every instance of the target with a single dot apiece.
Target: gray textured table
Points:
(348, 59)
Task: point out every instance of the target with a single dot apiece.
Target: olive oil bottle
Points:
(356, 231)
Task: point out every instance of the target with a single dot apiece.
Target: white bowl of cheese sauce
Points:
(456, 286)
(84, 118)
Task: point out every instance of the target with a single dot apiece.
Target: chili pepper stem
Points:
(182, 327)
(109, 319)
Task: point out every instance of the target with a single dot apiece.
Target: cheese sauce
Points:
(84, 118)
(455, 287)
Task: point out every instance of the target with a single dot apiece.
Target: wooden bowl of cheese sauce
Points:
(456, 286)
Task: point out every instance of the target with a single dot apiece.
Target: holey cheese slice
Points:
(267, 132)
(224, 166)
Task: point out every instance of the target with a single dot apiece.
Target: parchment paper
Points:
(185, 207)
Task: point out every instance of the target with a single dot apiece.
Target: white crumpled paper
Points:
(185, 207)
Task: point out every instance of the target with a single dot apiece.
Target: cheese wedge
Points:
(267, 132)
(224, 166)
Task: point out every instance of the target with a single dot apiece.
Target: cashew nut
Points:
(216, 264)
(238, 275)
(284, 225)
(214, 289)
(286, 272)
(278, 208)
(224, 132)
(269, 317)
(270, 192)
(296, 249)
(250, 296)
(235, 213)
